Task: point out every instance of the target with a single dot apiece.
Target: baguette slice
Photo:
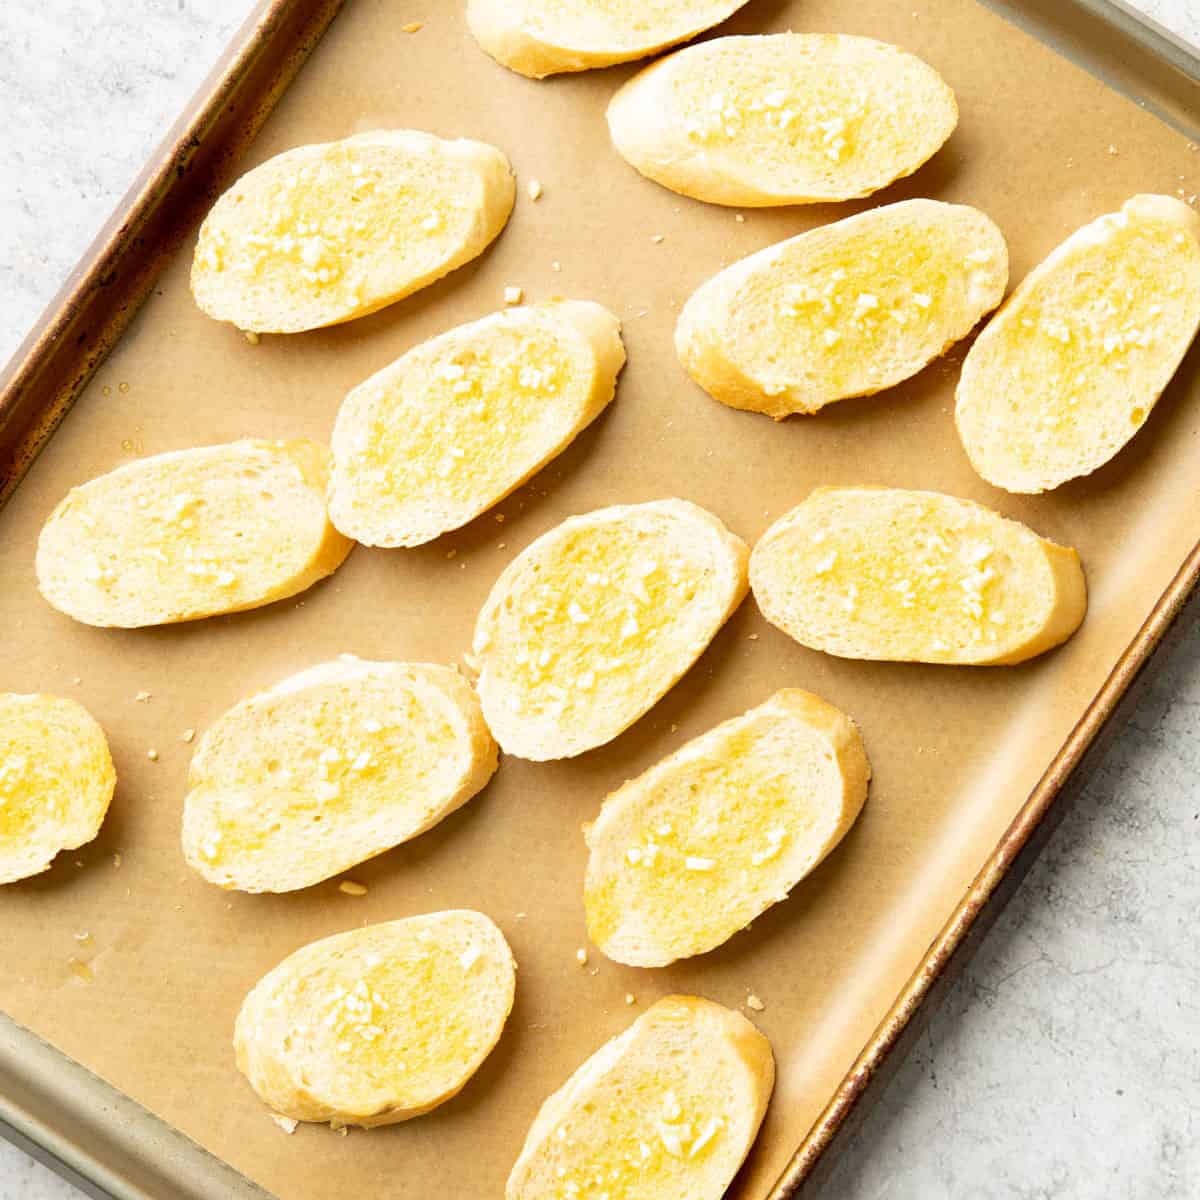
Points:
(691, 851)
(459, 422)
(380, 1024)
(668, 1110)
(191, 533)
(331, 767)
(56, 781)
(844, 310)
(545, 37)
(1070, 368)
(594, 622)
(888, 574)
(322, 234)
(787, 118)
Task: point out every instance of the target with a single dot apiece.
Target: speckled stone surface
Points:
(1065, 1064)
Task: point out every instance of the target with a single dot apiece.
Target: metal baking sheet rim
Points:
(106, 1143)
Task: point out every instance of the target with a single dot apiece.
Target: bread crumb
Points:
(287, 1124)
(754, 637)
(76, 680)
(581, 956)
(535, 189)
(739, 218)
(513, 295)
(251, 336)
(500, 518)
(521, 916)
(117, 860)
(82, 935)
(413, 27)
(188, 735)
(657, 238)
(351, 888)
(122, 388)
(152, 755)
(753, 1002)
(1113, 151)
(630, 998)
(451, 553)
(142, 697)
(556, 265)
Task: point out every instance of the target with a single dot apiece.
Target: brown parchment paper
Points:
(1042, 147)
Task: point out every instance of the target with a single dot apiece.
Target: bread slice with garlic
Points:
(56, 781)
(692, 850)
(1072, 365)
(322, 234)
(596, 620)
(884, 573)
(191, 533)
(545, 37)
(844, 310)
(668, 1109)
(786, 118)
(457, 423)
(331, 767)
(380, 1024)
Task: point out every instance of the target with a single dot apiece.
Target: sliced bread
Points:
(786, 118)
(545, 37)
(191, 533)
(883, 573)
(56, 781)
(668, 1110)
(844, 310)
(379, 1024)
(330, 767)
(322, 234)
(453, 426)
(1070, 368)
(690, 852)
(593, 623)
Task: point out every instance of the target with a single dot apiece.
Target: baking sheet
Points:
(147, 998)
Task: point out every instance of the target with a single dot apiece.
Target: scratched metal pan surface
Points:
(115, 1054)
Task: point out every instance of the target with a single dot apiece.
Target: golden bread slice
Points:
(596, 620)
(544, 37)
(785, 118)
(844, 310)
(330, 767)
(668, 1110)
(191, 533)
(692, 850)
(56, 781)
(379, 1024)
(884, 573)
(322, 234)
(1070, 368)
(454, 425)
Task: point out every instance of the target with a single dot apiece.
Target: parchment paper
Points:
(1041, 147)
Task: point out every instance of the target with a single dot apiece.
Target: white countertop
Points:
(1065, 1064)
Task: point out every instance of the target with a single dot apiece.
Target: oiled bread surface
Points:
(324, 233)
(458, 422)
(788, 118)
(692, 850)
(379, 1024)
(885, 573)
(544, 37)
(668, 1109)
(590, 625)
(56, 781)
(191, 533)
(846, 309)
(330, 767)
(1073, 364)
